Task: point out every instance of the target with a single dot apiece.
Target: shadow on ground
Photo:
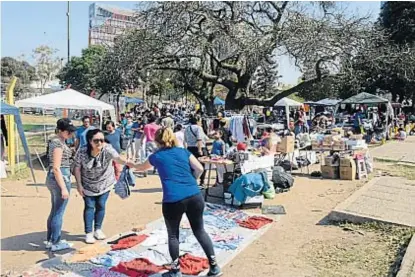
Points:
(32, 241)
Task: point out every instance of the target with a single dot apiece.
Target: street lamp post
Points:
(67, 15)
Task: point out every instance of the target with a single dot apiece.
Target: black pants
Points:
(195, 152)
(193, 208)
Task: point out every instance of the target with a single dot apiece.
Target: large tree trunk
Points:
(210, 108)
(233, 103)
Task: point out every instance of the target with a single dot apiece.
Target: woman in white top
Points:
(178, 132)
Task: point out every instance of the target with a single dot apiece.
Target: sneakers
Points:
(48, 244)
(172, 273)
(215, 271)
(89, 238)
(99, 235)
(62, 245)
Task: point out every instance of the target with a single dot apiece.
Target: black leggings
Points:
(193, 208)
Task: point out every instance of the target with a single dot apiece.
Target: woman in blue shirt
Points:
(178, 170)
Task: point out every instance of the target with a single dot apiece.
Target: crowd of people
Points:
(152, 139)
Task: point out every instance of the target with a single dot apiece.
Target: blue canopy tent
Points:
(218, 102)
(7, 109)
(133, 100)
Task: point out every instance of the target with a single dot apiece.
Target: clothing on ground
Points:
(129, 242)
(255, 222)
(120, 238)
(173, 166)
(192, 265)
(88, 252)
(105, 272)
(138, 268)
(113, 258)
(77, 268)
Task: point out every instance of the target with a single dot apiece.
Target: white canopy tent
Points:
(287, 103)
(67, 99)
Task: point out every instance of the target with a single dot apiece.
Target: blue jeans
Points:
(54, 223)
(94, 211)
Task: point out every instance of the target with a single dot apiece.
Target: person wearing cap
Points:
(58, 181)
(168, 121)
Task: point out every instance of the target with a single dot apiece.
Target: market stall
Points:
(376, 112)
(67, 99)
(288, 103)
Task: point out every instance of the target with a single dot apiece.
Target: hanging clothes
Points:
(237, 128)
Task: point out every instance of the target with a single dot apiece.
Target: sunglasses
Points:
(96, 141)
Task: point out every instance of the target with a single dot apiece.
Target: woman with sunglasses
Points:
(58, 181)
(179, 170)
(95, 178)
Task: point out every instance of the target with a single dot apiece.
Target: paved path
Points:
(386, 199)
(408, 262)
(397, 151)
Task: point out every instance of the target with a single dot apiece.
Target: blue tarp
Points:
(218, 102)
(132, 100)
(7, 109)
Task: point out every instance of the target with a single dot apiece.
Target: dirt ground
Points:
(300, 244)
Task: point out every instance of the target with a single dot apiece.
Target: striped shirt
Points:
(97, 173)
(56, 143)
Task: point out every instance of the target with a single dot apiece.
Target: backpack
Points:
(282, 179)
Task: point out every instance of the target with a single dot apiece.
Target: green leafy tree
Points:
(21, 69)
(82, 72)
(398, 18)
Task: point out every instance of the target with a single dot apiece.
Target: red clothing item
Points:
(129, 242)
(138, 268)
(191, 265)
(255, 222)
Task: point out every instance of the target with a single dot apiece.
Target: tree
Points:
(46, 64)
(398, 18)
(21, 69)
(82, 72)
(223, 43)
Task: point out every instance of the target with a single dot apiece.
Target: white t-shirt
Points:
(180, 138)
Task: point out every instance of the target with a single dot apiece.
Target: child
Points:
(218, 147)
(401, 134)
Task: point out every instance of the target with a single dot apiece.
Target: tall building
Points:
(107, 22)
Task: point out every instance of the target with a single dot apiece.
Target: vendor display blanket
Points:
(221, 222)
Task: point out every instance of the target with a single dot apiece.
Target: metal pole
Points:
(69, 50)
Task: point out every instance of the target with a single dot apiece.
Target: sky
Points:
(26, 25)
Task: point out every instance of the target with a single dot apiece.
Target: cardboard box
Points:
(356, 137)
(347, 162)
(329, 160)
(348, 173)
(330, 172)
(286, 145)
